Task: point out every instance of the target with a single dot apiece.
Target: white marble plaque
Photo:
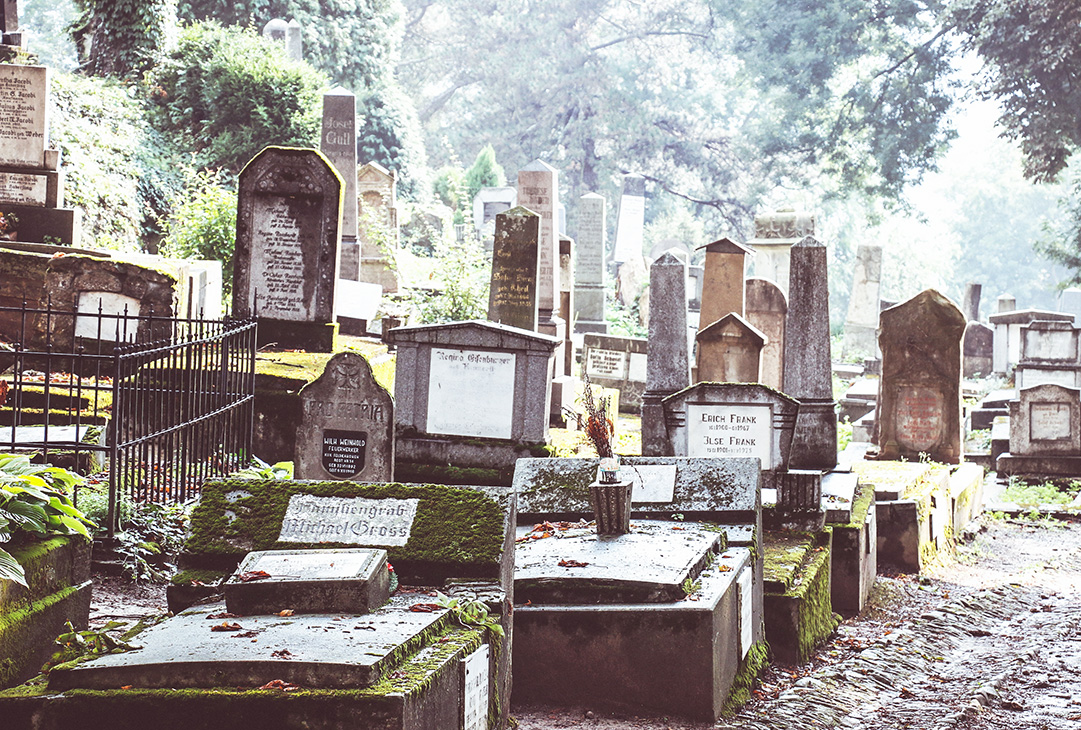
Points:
(471, 393)
(23, 189)
(610, 364)
(112, 328)
(475, 681)
(277, 262)
(715, 431)
(629, 227)
(655, 483)
(746, 611)
(349, 520)
(1049, 421)
(23, 115)
(637, 370)
(320, 564)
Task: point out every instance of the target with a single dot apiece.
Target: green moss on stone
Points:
(207, 577)
(438, 474)
(861, 504)
(453, 526)
(749, 668)
(15, 652)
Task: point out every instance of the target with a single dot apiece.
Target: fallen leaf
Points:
(226, 626)
(250, 575)
(244, 634)
(286, 612)
(281, 654)
(280, 684)
(1011, 705)
(221, 614)
(126, 686)
(724, 568)
(567, 563)
(425, 607)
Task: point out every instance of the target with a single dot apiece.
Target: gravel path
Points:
(992, 640)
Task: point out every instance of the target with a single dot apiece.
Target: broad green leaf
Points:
(11, 570)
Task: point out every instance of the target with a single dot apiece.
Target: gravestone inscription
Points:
(347, 422)
(348, 520)
(23, 115)
(471, 393)
(512, 298)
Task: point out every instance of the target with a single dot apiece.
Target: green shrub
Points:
(34, 502)
(202, 224)
(227, 93)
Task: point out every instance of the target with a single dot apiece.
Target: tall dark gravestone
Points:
(668, 367)
(808, 375)
(288, 228)
(512, 298)
(919, 395)
(347, 425)
(338, 142)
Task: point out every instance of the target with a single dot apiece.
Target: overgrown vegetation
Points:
(1027, 492)
(35, 503)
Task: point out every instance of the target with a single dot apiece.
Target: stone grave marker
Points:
(808, 375)
(285, 268)
(978, 348)
(723, 286)
(1049, 354)
(566, 298)
(1069, 301)
(861, 324)
(346, 429)
(338, 141)
(631, 219)
(774, 235)
(538, 190)
(1045, 432)
(668, 362)
(724, 420)
(767, 311)
(310, 581)
(377, 217)
(1007, 338)
(919, 399)
(617, 362)
(487, 204)
(730, 351)
(512, 298)
(970, 305)
(470, 393)
(589, 278)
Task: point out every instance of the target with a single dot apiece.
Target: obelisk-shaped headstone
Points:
(861, 324)
(589, 266)
(723, 281)
(668, 367)
(807, 367)
(538, 190)
(512, 298)
(339, 143)
(631, 220)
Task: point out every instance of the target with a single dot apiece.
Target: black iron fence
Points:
(156, 404)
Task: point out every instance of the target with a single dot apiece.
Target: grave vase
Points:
(611, 506)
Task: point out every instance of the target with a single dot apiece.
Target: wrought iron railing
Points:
(158, 403)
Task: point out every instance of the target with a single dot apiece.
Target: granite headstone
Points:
(668, 364)
(512, 298)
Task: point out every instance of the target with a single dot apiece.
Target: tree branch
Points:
(639, 36)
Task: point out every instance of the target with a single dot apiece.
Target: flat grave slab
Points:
(309, 581)
(650, 564)
(838, 491)
(313, 650)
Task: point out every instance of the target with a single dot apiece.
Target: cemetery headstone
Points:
(377, 224)
(723, 420)
(31, 184)
(1006, 303)
(861, 324)
(471, 394)
(723, 283)
(970, 307)
(617, 362)
(1007, 336)
(487, 204)
(338, 142)
(774, 236)
(294, 40)
(696, 276)
(631, 219)
(1045, 432)
(285, 268)
(589, 279)
(978, 348)
(767, 310)
(919, 399)
(668, 364)
(538, 190)
(729, 351)
(512, 298)
(347, 424)
(1049, 354)
(808, 375)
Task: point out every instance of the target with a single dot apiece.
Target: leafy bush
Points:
(126, 36)
(388, 132)
(485, 173)
(464, 277)
(227, 93)
(34, 502)
(202, 224)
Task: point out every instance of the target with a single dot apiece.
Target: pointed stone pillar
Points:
(668, 367)
(538, 190)
(807, 367)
